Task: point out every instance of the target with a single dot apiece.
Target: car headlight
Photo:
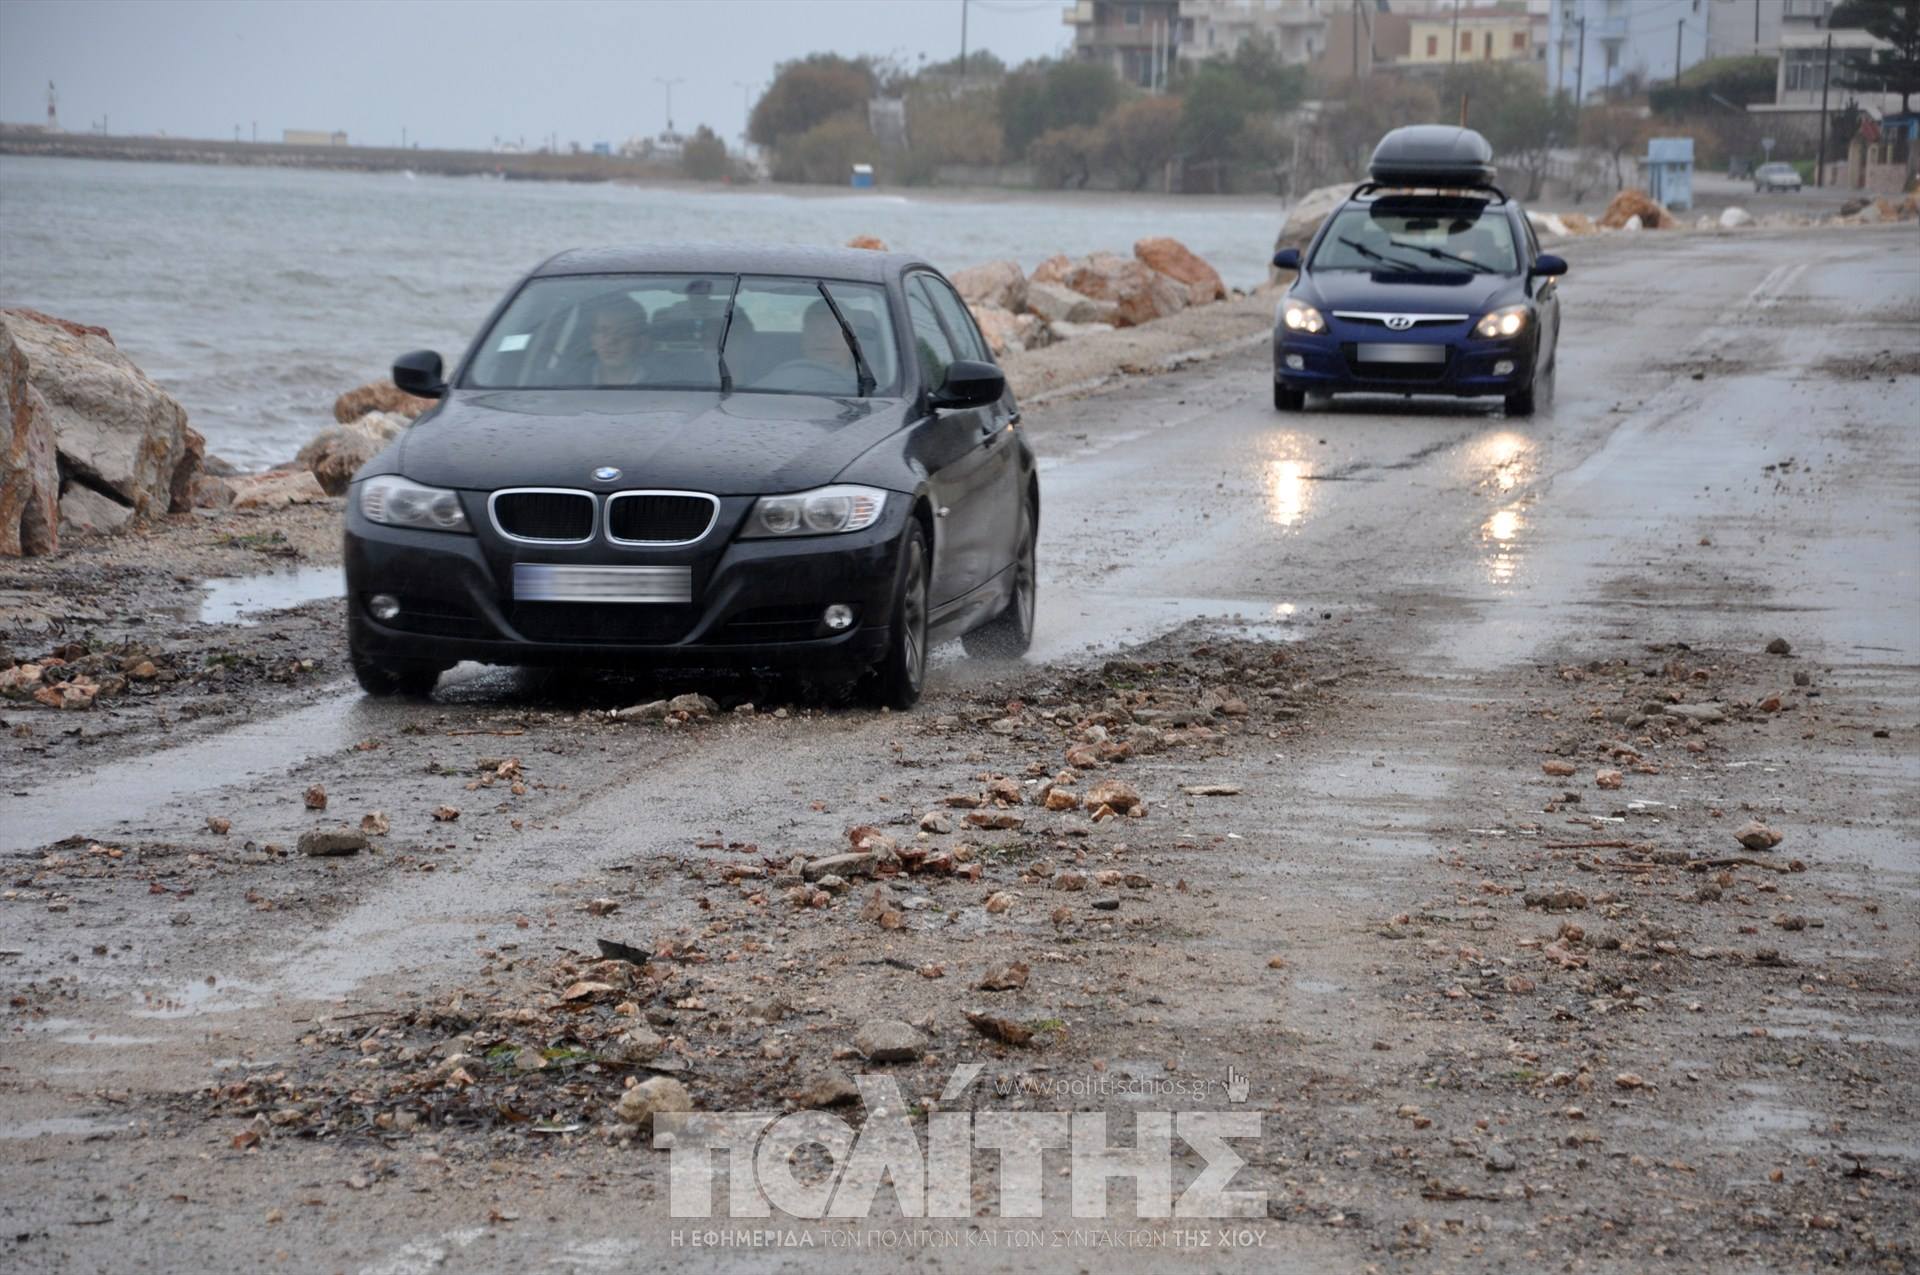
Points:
(394, 501)
(1301, 317)
(1506, 322)
(824, 511)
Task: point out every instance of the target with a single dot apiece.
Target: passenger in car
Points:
(617, 335)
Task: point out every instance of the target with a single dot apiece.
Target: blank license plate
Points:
(1377, 352)
(546, 582)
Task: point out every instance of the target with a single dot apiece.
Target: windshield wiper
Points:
(1441, 254)
(866, 383)
(726, 326)
(1365, 251)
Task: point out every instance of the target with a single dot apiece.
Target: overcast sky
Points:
(458, 72)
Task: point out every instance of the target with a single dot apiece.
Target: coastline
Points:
(590, 169)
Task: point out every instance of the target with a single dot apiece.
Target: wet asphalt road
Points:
(1188, 496)
(1460, 542)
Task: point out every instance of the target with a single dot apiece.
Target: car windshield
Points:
(1395, 237)
(632, 331)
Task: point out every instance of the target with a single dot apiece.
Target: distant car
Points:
(1427, 280)
(1769, 177)
(702, 455)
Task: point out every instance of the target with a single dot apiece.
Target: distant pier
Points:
(516, 166)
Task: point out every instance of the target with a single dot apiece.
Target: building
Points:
(1297, 29)
(1803, 67)
(1137, 38)
(311, 137)
(1361, 38)
(1143, 39)
(1470, 35)
(1596, 45)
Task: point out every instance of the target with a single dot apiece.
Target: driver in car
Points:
(617, 335)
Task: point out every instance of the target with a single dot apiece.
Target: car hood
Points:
(1414, 294)
(736, 444)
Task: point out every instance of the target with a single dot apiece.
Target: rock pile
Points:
(1630, 204)
(89, 440)
(1068, 296)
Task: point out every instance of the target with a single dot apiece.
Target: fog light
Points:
(1503, 368)
(383, 606)
(837, 617)
(1295, 362)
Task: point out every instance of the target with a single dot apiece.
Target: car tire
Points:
(411, 681)
(1521, 402)
(902, 672)
(1008, 635)
(1286, 400)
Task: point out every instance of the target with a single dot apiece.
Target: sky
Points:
(459, 73)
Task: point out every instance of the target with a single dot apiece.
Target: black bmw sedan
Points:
(767, 458)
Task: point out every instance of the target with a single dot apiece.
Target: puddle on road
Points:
(209, 995)
(92, 802)
(232, 599)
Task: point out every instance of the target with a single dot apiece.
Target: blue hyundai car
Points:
(1428, 279)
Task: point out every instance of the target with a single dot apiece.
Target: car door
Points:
(1001, 490)
(953, 447)
(1546, 298)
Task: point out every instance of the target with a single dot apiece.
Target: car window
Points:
(960, 326)
(1389, 236)
(929, 339)
(786, 339)
(1533, 240)
(630, 331)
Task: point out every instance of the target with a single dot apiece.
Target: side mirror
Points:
(970, 384)
(1547, 265)
(420, 374)
(1287, 259)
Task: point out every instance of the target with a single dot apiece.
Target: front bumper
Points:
(1329, 362)
(756, 603)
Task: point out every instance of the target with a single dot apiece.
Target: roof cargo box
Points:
(1432, 155)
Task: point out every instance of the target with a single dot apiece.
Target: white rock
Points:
(1735, 218)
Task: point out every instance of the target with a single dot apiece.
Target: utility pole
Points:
(662, 80)
(1826, 75)
(1454, 40)
(1356, 40)
(1679, 29)
(1580, 70)
(256, 130)
(963, 40)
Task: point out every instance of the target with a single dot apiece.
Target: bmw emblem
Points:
(606, 474)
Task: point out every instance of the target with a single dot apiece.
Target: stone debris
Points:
(888, 1040)
(660, 1095)
(327, 842)
(1010, 977)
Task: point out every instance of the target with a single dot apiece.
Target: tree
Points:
(807, 93)
(1716, 84)
(1617, 131)
(704, 157)
(1064, 157)
(1510, 107)
(1050, 95)
(1897, 70)
(1141, 138)
(1361, 111)
(950, 124)
(826, 152)
(1213, 111)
